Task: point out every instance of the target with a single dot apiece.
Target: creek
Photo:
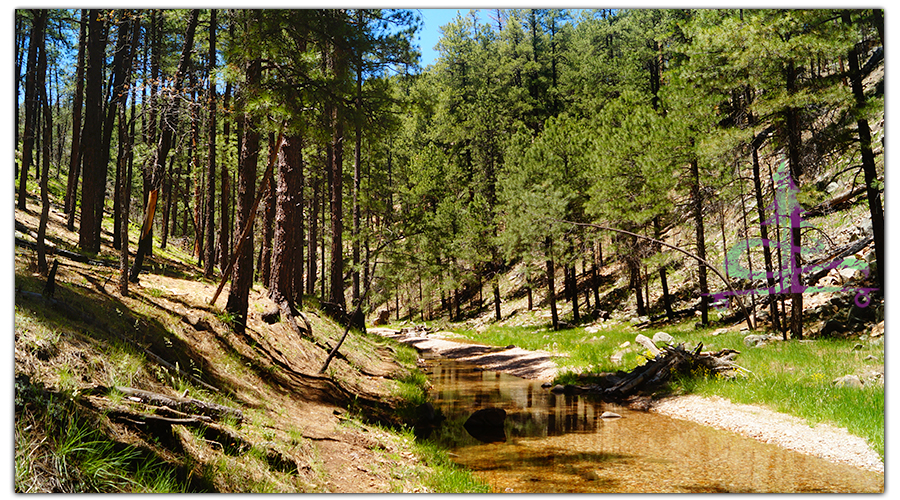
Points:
(557, 443)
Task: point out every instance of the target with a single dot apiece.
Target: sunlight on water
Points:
(559, 444)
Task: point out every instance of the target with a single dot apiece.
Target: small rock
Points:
(755, 340)
(648, 344)
(878, 330)
(848, 381)
(558, 389)
(609, 414)
(663, 337)
(870, 357)
(625, 344)
(857, 347)
(720, 331)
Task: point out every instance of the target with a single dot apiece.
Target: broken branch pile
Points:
(658, 370)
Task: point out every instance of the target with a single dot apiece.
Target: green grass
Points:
(59, 450)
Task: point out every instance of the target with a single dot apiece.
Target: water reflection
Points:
(560, 444)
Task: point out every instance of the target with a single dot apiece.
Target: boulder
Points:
(486, 425)
(647, 344)
(663, 337)
(851, 381)
(384, 317)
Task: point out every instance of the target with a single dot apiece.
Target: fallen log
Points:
(671, 360)
(193, 407)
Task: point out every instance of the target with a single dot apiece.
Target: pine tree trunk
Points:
(287, 230)
(697, 204)
(268, 230)
(93, 171)
(224, 204)
(336, 279)
(75, 156)
(313, 236)
(209, 218)
(39, 20)
(121, 73)
(792, 130)
(43, 105)
(573, 284)
(873, 195)
(357, 178)
(239, 294)
(551, 286)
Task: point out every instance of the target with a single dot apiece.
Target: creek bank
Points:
(830, 443)
(535, 365)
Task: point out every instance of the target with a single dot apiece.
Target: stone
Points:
(558, 389)
(851, 381)
(609, 414)
(384, 317)
(756, 340)
(486, 425)
(648, 344)
(663, 337)
(877, 330)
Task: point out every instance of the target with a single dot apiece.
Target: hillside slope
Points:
(284, 427)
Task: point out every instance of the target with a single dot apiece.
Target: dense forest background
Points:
(309, 151)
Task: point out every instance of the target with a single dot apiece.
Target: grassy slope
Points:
(302, 432)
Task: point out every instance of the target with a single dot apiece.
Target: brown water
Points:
(559, 444)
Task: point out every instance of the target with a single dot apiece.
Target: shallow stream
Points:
(560, 444)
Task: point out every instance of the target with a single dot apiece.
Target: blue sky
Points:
(431, 31)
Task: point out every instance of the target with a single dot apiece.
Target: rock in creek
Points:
(486, 425)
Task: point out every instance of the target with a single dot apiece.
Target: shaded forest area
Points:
(309, 151)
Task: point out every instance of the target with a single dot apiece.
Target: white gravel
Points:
(824, 441)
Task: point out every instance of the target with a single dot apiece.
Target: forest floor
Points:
(305, 431)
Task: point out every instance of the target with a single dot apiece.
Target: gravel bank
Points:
(824, 441)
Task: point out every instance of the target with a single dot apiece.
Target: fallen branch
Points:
(193, 407)
(672, 360)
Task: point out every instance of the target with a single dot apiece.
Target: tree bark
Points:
(39, 20)
(44, 105)
(697, 205)
(792, 131)
(239, 294)
(121, 73)
(873, 195)
(286, 217)
(75, 156)
(551, 286)
(93, 171)
(265, 267)
(313, 235)
(209, 262)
